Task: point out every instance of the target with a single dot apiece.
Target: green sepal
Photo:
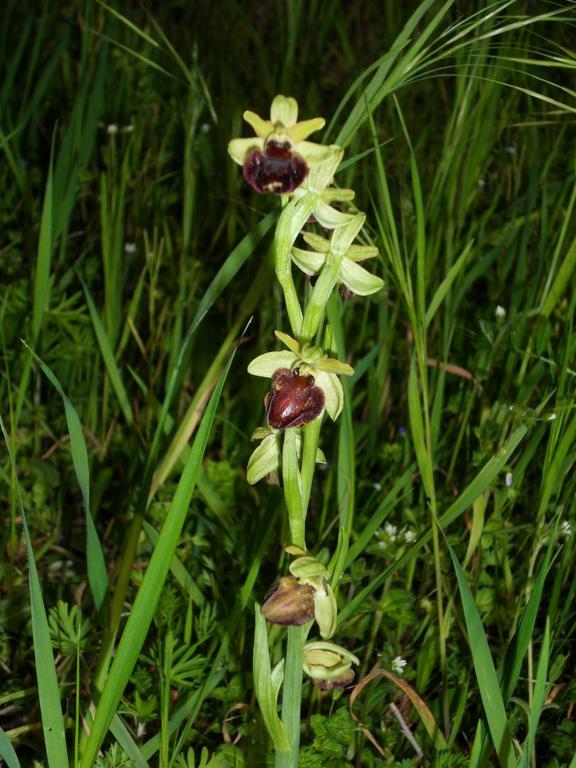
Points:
(265, 460)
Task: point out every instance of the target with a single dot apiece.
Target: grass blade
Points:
(49, 695)
(96, 563)
(7, 752)
(109, 358)
(486, 676)
(148, 595)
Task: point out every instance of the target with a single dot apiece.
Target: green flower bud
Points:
(329, 665)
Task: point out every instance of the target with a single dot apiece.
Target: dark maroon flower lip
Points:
(276, 169)
(293, 400)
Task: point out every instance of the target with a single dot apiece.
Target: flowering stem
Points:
(292, 219)
(292, 694)
(293, 489)
(311, 438)
(320, 295)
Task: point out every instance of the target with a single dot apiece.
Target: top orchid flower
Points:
(278, 159)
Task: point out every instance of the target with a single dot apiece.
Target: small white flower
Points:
(500, 312)
(481, 183)
(391, 531)
(565, 528)
(398, 665)
(508, 479)
(409, 535)
(552, 417)
(377, 486)
(112, 129)
(130, 248)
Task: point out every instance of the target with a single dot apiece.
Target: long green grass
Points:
(137, 285)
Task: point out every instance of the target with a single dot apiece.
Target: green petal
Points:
(335, 193)
(309, 262)
(239, 148)
(321, 175)
(325, 611)
(329, 217)
(288, 341)
(313, 153)
(317, 242)
(343, 237)
(359, 279)
(361, 252)
(261, 127)
(302, 130)
(331, 365)
(320, 457)
(333, 393)
(268, 363)
(264, 460)
(284, 110)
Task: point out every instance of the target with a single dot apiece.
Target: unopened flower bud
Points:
(329, 665)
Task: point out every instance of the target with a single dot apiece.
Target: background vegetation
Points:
(132, 256)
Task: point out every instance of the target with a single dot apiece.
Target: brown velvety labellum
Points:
(345, 679)
(276, 169)
(293, 400)
(289, 604)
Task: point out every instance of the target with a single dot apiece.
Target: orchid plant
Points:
(304, 384)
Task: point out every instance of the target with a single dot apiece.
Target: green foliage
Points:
(69, 630)
(332, 740)
(133, 256)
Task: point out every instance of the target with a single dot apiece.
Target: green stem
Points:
(310, 440)
(320, 295)
(292, 695)
(292, 219)
(293, 489)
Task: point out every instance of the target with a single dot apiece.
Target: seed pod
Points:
(293, 400)
(289, 604)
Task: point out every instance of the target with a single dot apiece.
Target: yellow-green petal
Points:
(302, 130)
(288, 341)
(330, 384)
(317, 242)
(329, 217)
(284, 110)
(313, 153)
(310, 262)
(343, 237)
(239, 148)
(268, 363)
(358, 279)
(261, 127)
(361, 252)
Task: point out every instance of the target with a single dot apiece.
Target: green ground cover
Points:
(137, 284)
